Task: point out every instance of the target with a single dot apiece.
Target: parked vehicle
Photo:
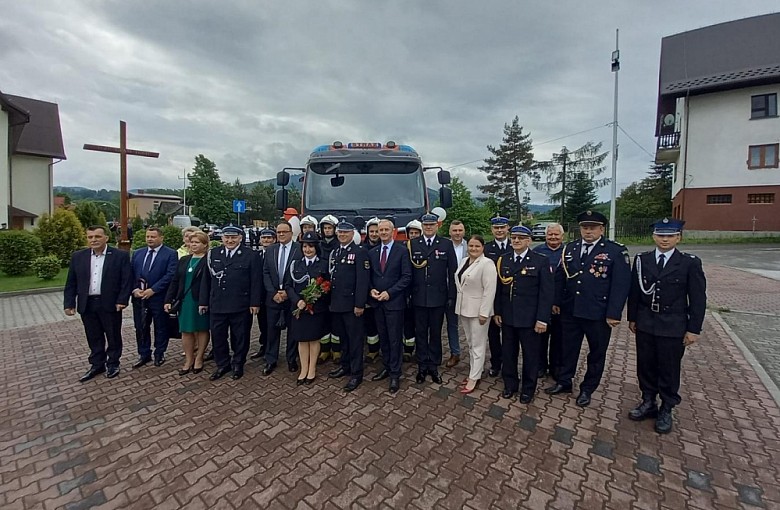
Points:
(539, 230)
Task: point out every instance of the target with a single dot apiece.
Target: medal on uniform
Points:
(523, 271)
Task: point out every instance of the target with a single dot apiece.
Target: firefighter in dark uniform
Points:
(231, 295)
(591, 287)
(349, 268)
(266, 237)
(433, 288)
(523, 308)
(372, 332)
(500, 245)
(330, 346)
(666, 308)
(413, 231)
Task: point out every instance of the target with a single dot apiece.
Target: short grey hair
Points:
(386, 220)
(555, 225)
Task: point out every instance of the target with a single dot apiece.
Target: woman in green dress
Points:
(185, 289)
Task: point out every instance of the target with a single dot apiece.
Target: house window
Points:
(762, 106)
(761, 198)
(762, 156)
(718, 199)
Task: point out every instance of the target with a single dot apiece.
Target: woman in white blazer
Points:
(475, 280)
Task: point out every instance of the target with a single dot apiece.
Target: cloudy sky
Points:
(256, 85)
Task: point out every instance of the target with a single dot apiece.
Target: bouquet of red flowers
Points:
(311, 293)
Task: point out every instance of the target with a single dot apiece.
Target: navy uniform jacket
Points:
(678, 301)
(395, 279)
(327, 246)
(295, 290)
(115, 284)
(433, 284)
(231, 284)
(525, 290)
(349, 278)
(271, 281)
(493, 251)
(595, 288)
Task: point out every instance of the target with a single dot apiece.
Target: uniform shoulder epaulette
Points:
(647, 252)
(691, 255)
(615, 242)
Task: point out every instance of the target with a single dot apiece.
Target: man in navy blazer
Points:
(98, 286)
(391, 275)
(153, 270)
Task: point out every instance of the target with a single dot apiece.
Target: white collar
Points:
(667, 255)
(521, 256)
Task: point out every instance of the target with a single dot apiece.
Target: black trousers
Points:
(352, 332)
(275, 336)
(104, 334)
(372, 329)
(512, 340)
(232, 326)
(494, 342)
(262, 324)
(145, 313)
(550, 347)
(428, 323)
(409, 327)
(390, 324)
(658, 360)
(598, 334)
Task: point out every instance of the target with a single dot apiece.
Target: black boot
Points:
(647, 409)
(663, 424)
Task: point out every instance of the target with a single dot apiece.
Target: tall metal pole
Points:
(184, 205)
(616, 70)
(124, 220)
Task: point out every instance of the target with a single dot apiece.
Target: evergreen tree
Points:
(61, 234)
(207, 193)
(466, 210)
(88, 214)
(261, 202)
(649, 198)
(508, 169)
(571, 175)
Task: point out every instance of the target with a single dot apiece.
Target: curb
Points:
(770, 385)
(29, 292)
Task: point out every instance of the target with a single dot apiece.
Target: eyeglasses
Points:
(284, 231)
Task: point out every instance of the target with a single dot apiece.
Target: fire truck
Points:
(360, 180)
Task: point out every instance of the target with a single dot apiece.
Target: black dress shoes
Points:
(381, 376)
(91, 373)
(647, 409)
(420, 377)
(663, 424)
(525, 398)
(435, 377)
(507, 393)
(309, 381)
(112, 372)
(257, 355)
(557, 388)
(395, 385)
(583, 399)
(541, 374)
(219, 373)
(237, 375)
(338, 373)
(352, 384)
(494, 372)
(158, 362)
(300, 382)
(292, 367)
(141, 362)
(269, 368)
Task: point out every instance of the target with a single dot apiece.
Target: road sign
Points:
(239, 206)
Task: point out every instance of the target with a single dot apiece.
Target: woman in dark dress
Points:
(185, 289)
(313, 319)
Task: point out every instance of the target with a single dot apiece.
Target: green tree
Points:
(261, 203)
(172, 237)
(509, 168)
(18, 250)
(649, 198)
(571, 175)
(67, 198)
(464, 209)
(207, 193)
(61, 234)
(88, 214)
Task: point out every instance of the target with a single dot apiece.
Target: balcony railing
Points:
(669, 141)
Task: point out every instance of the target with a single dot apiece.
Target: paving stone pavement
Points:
(31, 310)
(152, 439)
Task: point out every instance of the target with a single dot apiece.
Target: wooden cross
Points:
(123, 151)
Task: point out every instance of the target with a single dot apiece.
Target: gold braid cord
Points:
(416, 265)
(504, 280)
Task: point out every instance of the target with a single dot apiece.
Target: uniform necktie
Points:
(309, 263)
(586, 249)
(383, 259)
(148, 261)
(430, 242)
(281, 263)
(661, 260)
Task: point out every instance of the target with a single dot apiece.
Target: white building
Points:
(30, 145)
(718, 124)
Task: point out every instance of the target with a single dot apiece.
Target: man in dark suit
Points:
(499, 246)
(266, 238)
(231, 295)
(523, 308)
(349, 292)
(433, 288)
(276, 268)
(591, 287)
(153, 270)
(666, 307)
(98, 286)
(391, 274)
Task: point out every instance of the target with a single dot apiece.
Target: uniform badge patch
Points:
(367, 264)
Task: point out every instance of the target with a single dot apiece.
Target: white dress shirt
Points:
(666, 255)
(96, 261)
(461, 250)
(520, 256)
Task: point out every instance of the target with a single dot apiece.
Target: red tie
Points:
(383, 259)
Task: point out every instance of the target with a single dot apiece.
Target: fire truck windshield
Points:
(361, 185)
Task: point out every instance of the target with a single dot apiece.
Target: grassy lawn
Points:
(14, 283)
